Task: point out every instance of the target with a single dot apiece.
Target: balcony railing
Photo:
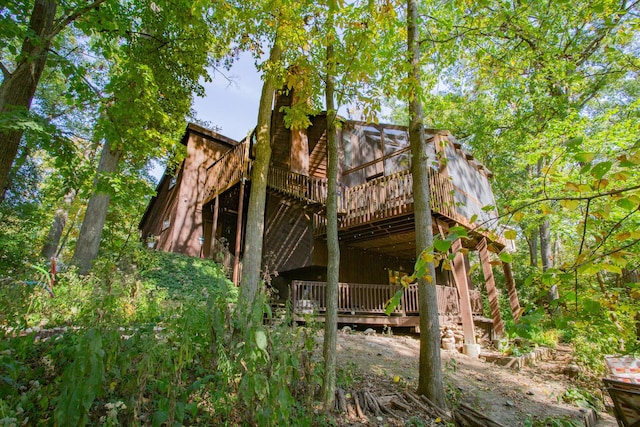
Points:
(380, 198)
(228, 170)
(357, 298)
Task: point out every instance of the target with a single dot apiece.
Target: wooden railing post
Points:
(460, 278)
(214, 225)
(236, 261)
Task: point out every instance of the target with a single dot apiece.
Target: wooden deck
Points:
(384, 197)
(380, 209)
(365, 303)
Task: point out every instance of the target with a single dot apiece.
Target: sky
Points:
(231, 100)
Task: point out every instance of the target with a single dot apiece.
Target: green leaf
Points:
(510, 234)
(261, 339)
(159, 418)
(505, 257)
(612, 268)
(457, 232)
(442, 245)
(584, 157)
(601, 169)
(570, 204)
(393, 302)
(626, 203)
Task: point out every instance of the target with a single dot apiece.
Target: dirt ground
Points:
(388, 364)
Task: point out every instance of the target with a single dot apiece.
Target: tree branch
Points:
(5, 71)
(615, 227)
(75, 15)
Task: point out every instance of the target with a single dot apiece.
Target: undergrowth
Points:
(155, 341)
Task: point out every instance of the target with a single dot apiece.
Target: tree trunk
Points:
(88, 241)
(532, 242)
(257, 199)
(52, 242)
(546, 252)
(18, 88)
(333, 246)
(430, 382)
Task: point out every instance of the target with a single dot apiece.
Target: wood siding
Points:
(182, 204)
(288, 236)
(318, 147)
(280, 135)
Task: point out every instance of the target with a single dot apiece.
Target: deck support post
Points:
(236, 260)
(214, 226)
(498, 325)
(511, 288)
(460, 277)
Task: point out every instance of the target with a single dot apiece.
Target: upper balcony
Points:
(376, 184)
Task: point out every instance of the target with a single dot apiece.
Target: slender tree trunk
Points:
(52, 242)
(18, 88)
(532, 242)
(257, 199)
(88, 242)
(333, 245)
(430, 382)
(546, 253)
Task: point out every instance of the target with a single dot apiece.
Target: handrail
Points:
(222, 175)
(360, 298)
(379, 198)
(393, 194)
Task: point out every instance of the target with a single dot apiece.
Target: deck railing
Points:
(383, 197)
(390, 196)
(308, 188)
(357, 298)
(228, 170)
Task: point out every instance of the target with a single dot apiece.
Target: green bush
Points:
(153, 341)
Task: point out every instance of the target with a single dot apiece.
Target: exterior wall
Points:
(288, 236)
(187, 222)
(181, 205)
(281, 136)
(358, 266)
(473, 189)
(163, 207)
(318, 146)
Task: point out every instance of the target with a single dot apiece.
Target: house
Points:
(206, 216)
(173, 220)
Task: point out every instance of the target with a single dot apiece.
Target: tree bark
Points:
(532, 242)
(18, 88)
(333, 245)
(52, 242)
(546, 252)
(430, 382)
(257, 199)
(88, 242)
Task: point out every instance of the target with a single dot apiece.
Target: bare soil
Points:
(386, 365)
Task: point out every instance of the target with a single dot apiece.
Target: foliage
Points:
(439, 254)
(151, 342)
